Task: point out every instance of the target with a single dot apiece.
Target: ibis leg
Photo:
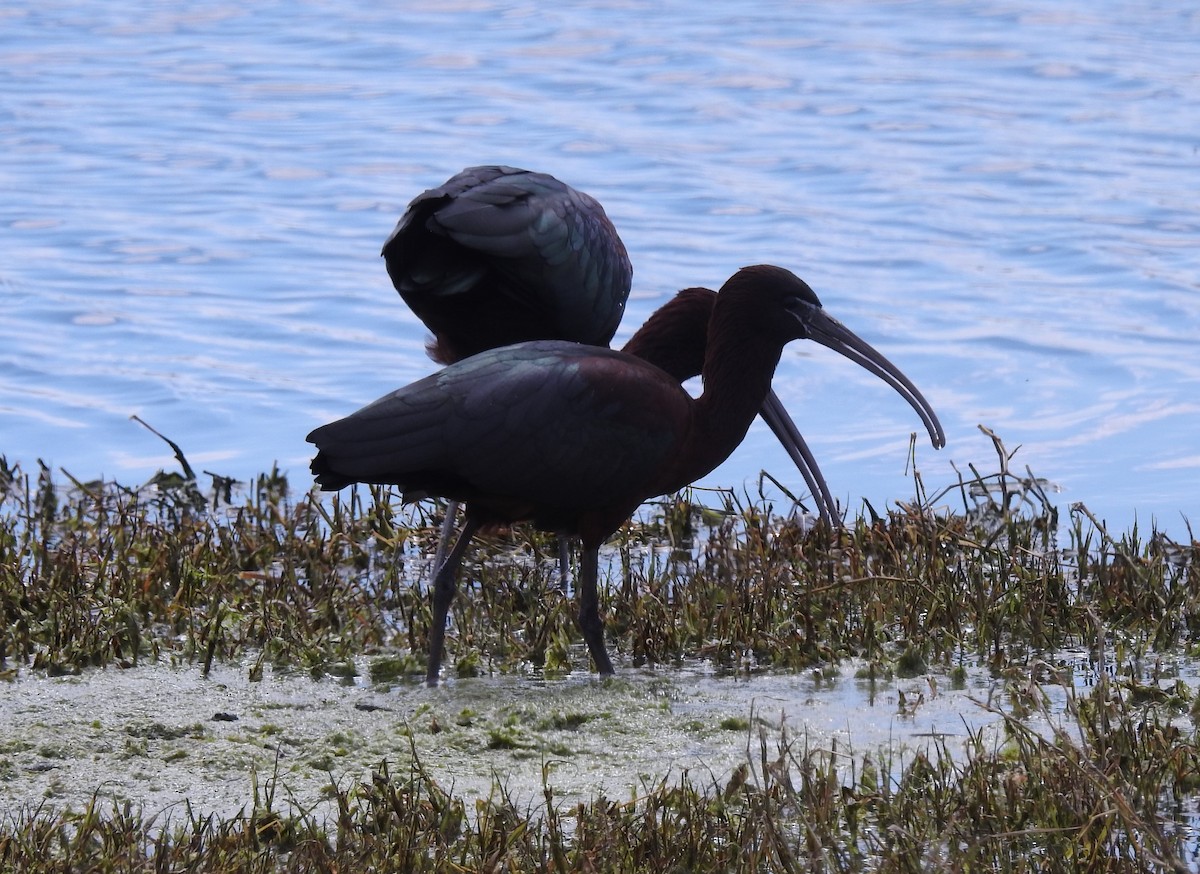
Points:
(439, 557)
(444, 588)
(590, 623)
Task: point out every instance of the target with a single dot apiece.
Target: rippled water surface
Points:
(1001, 197)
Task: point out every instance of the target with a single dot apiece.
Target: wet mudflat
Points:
(161, 735)
(231, 681)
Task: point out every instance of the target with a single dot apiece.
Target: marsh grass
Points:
(96, 574)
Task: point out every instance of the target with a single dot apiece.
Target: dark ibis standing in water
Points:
(574, 438)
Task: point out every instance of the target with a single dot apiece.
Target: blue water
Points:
(999, 196)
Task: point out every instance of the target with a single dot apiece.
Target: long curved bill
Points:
(788, 434)
(828, 331)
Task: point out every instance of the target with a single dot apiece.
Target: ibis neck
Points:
(675, 337)
(737, 378)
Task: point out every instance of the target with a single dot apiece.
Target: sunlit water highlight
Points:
(1000, 196)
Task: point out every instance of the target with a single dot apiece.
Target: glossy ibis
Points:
(498, 255)
(574, 438)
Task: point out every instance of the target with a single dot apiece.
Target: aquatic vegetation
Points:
(99, 574)
(96, 574)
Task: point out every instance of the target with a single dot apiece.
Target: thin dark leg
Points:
(444, 536)
(443, 593)
(589, 619)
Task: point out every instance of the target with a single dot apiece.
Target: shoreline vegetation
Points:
(99, 575)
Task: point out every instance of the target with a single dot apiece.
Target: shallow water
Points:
(1000, 196)
(162, 736)
(152, 735)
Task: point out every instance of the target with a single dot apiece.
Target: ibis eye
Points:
(798, 304)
